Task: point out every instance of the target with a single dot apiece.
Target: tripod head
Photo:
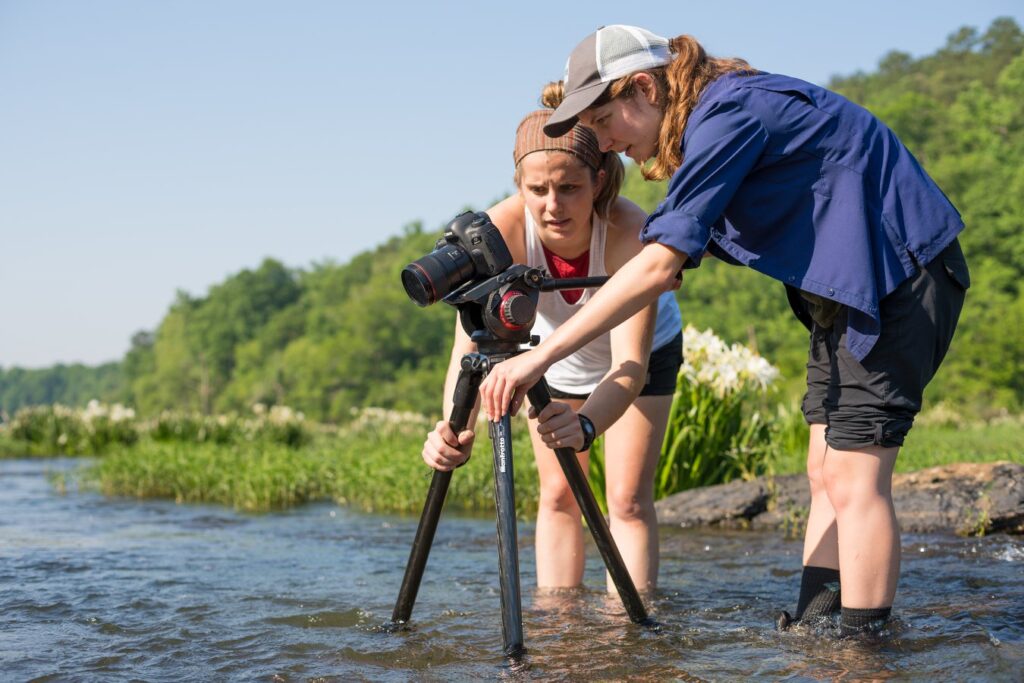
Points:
(498, 312)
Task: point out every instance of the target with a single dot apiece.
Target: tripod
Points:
(498, 316)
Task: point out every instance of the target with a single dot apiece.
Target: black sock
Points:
(819, 593)
(870, 620)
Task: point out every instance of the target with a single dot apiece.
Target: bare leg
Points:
(559, 537)
(632, 449)
(859, 485)
(821, 544)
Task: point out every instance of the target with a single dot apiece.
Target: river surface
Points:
(112, 589)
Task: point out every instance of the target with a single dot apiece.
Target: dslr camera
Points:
(471, 249)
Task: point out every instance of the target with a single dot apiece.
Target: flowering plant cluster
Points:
(278, 424)
(66, 430)
(725, 369)
(372, 419)
(57, 429)
(715, 431)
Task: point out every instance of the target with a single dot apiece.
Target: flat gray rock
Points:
(964, 498)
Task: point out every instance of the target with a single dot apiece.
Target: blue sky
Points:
(147, 147)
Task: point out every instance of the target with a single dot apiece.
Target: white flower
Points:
(390, 420)
(725, 369)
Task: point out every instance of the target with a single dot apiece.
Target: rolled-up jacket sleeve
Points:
(721, 144)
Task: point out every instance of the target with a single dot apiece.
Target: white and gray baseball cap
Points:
(607, 54)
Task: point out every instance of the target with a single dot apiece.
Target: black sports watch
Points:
(589, 432)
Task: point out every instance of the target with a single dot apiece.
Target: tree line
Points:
(333, 337)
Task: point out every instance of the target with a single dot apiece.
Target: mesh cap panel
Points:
(609, 53)
(624, 49)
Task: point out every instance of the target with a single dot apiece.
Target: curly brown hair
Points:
(679, 85)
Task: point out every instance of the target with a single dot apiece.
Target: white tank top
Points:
(583, 370)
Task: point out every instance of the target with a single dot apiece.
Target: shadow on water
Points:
(120, 589)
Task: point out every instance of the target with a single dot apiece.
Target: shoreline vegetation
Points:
(377, 469)
(276, 459)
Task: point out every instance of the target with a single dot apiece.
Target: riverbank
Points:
(375, 466)
(969, 499)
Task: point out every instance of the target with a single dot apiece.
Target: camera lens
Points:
(428, 279)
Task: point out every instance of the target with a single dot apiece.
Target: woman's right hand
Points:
(444, 450)
(505, 387)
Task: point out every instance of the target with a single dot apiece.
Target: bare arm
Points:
(444, 449)
(630, 345)
(636, 285)
(630, 340)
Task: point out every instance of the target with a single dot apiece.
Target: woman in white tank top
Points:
(568, 211)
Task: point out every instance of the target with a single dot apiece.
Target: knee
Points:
(557, 497)
(630, 505)
(848, 490)
(816, 449)
(816, 475)
(835, 485)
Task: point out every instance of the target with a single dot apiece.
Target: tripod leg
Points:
(466, 389)
(508, 546)
(539, 398)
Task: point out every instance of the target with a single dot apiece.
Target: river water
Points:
(113, 589)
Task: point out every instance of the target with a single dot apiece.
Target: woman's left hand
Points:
(507, 382)
(559, 426)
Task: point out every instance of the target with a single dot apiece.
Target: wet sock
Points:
(819, 593)
(870, 620)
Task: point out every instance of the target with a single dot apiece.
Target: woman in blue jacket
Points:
(810, 189)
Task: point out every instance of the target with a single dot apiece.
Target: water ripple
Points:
(124, 589)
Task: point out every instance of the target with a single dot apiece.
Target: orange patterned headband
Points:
(530, 138)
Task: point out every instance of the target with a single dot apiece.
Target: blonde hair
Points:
(614, 172)
(679, 85)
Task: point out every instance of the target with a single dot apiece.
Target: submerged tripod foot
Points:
(394, 627)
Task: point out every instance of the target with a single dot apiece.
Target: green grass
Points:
(374, 470)
(943, 445)
(378, 468)
(928, 446)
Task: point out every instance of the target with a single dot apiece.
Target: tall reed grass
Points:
(373, 464)
(59, 430)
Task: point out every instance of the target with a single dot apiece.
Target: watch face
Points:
(589, 433)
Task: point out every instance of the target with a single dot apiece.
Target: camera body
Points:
(471, 249)
(476, 233)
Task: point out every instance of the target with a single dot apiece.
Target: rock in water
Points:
(964, 498)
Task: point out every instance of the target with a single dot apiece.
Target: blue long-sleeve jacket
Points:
(806, 187)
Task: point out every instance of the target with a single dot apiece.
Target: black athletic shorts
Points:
(874, 401)
(662, 371)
